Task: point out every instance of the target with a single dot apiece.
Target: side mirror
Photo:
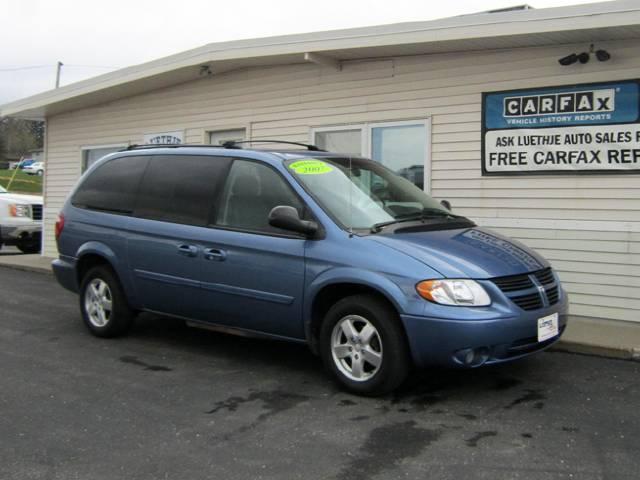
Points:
(446, 204)
(287, 218)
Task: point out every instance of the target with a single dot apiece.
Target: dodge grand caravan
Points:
(309, 246)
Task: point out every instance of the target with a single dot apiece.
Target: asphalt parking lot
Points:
(173, 402)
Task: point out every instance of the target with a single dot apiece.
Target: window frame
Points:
(86, 148)
(293, 235)
(366, 138)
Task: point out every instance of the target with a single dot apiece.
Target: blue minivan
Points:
(335, 251)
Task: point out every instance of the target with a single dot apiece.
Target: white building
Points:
(476, 108)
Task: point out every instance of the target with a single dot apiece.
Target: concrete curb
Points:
(27, 268)
(598, 351)
(41, 265)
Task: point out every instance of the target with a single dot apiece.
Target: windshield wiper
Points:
(426, 213)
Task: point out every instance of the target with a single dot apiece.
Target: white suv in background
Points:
(20, 221)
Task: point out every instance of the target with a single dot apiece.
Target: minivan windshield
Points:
(364, 195)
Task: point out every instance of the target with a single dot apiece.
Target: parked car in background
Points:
(36, 168)
(20, 221)
(21, 164)
(307, 246)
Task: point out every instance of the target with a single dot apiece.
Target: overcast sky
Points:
(92, 37)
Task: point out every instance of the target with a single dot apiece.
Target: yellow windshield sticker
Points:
(310, 167)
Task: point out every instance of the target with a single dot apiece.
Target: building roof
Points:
(506, 28)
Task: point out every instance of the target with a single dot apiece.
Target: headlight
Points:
(454, 292)
(18, 210)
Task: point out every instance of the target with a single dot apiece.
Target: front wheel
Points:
(364, 346)
(29, 247)
(103, 305)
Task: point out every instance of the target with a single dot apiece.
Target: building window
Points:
(341, 140)
(403, 146)
(218, 137)
(91, 155)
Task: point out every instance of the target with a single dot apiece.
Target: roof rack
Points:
(231, 144)
(234, 144)
(144, 146)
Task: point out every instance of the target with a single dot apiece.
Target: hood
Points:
(466, 253)
(19, 198)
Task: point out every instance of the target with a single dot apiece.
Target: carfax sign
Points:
(590, 128)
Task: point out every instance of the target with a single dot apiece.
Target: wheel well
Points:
(87, 262)
(331, 294)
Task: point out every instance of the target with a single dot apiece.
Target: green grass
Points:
(22, 183)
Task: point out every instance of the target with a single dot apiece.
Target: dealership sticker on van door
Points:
(310, 167)
(589, 128)
(547, 327)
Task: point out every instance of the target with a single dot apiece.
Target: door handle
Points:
(215, 254)
(188, 250)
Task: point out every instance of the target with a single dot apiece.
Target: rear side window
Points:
(181, 188)
(112, 186)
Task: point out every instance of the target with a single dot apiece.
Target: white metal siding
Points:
(587, 226)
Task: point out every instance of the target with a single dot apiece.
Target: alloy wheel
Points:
(356, 348)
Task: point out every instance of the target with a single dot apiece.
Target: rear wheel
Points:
(103, 305)
(364, 346)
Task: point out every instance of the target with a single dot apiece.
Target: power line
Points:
(32, 67)
(91, 66)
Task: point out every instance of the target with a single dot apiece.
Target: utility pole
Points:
(59, 67)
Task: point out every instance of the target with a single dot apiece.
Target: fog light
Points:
(472, 357)
(468, 358)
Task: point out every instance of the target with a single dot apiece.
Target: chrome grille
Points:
(36, 212)
(523, 289)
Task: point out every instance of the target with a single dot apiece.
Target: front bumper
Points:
(437, 341)
(15, 234)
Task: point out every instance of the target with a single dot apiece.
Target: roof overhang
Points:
(617, 20)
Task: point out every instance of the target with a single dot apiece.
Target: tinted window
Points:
(181, 188)
(250, 192)
(112, 186)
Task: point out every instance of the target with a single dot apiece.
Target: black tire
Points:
(29, 247)
(120, 318)
(395, 362)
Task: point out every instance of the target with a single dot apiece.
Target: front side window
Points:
(361, 194)
(112, 186)
(252, 189)
(181, 188)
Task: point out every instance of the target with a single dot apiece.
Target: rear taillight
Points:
(59, 225)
